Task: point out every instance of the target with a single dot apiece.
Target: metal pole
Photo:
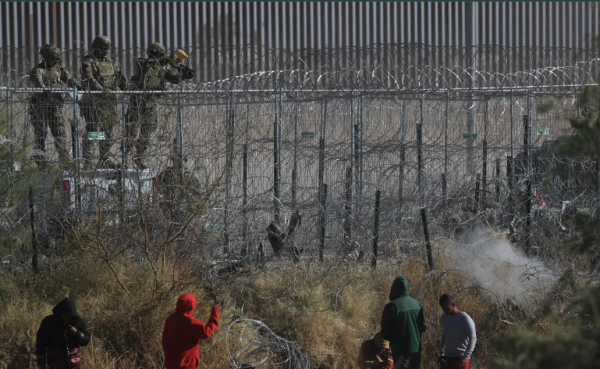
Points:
(123, 166)
(477, 192)
(124, 137)
(485, 156)
(34, 240)
(348, 208)
(8, 114)
(512, 129)
(420, 174)
(245, 187)
(358, 127)
(509, 179)
(323, 221)
(180, 136)
(276, 214)
(445, 174)
(470, 45)
(376, 227)
(296, 142)
(402, 161)
(228, 166)
(277, 163)
(528, 203)
(427, 239)
(77, 155)
(498, 170)
(322, 143)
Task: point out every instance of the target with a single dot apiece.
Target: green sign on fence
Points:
(211, 227)
(96, 136)
(307, 135)
(543, 131)
(469, 135)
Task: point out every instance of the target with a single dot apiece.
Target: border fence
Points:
(356, 149)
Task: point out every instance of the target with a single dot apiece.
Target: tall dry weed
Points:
(328, 309)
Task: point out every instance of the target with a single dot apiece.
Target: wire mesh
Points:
(442, 138)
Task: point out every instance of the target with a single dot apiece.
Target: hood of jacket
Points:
(186, 304)
(399, 288)
(66, 306)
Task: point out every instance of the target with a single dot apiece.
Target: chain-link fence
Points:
(356, 153)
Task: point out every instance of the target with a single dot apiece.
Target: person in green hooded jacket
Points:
(402, 324)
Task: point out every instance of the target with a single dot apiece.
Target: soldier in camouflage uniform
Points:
(142, 113)
(45, 109)
(99, 73)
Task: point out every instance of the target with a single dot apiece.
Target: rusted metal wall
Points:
(214, 32)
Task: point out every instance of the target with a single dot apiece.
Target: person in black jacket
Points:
(60, 336)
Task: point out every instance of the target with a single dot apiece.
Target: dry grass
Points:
(327, 308)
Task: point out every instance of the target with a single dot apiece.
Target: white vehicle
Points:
(60, 200)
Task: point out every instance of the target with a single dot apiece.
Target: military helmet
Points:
(101, 42)
(50, 51)
(156, 49)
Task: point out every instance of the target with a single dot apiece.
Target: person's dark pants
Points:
(410, 361)
(48, 114)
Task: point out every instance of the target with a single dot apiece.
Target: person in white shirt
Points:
(458, 336)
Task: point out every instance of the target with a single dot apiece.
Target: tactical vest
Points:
(152, 74)
(107, 73)
(51, 77)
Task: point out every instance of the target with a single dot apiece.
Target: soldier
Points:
(99, 73)
(45, 108)
(142, 113)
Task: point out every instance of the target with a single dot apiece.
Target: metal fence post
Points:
(528, 203)
(323, 211)
(402, 161)
(124, 138)
(485, 156)
(445, 174)
(277, 161)
(512, 129)
(358, 127)
(322, 143)
(122, 172)
(427, 239)
(477, 193)
(276, 214)
(295, 165)
(245, 186)
(348, 207)
(180, 137)
(77, 155)
(471, 138)
(420, 162)
(376, 228)
(228, 166)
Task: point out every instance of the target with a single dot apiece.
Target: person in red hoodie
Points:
(182, 333)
